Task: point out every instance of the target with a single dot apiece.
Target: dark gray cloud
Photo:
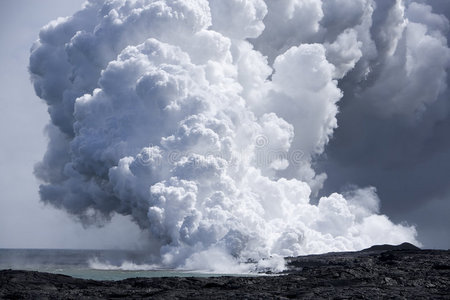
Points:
(394, 128)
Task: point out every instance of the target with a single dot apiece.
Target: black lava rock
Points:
(377, 273)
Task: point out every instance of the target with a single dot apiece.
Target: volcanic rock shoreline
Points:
(397, 272)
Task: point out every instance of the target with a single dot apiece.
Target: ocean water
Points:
(90, 264)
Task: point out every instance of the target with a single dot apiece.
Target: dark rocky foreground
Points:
(398, 273)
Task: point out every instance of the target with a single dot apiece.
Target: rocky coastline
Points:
(397, 272)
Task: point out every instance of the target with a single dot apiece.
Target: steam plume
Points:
(202, 119)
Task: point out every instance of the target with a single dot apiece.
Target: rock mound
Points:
(386, 247)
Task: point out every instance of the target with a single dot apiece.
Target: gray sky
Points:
(24, 220)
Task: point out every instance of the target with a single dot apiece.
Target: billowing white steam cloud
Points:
(201, 119)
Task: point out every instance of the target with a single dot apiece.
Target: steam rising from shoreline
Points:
(202, 119)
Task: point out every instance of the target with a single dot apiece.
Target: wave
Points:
(96, 264)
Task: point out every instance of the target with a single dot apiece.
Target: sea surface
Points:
(90, 264)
